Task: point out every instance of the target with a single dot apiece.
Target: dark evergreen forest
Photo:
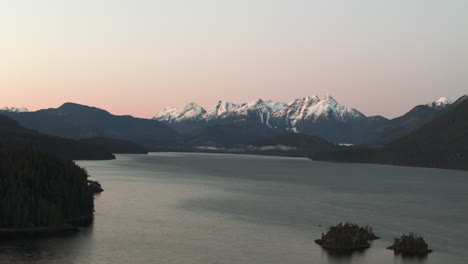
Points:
(39, 189)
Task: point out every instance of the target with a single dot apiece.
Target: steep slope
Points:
(407, 123)
(14, 135)
(258, 111)
(313, 108)
(441, 143)
(191, 119)
(220, 109)
(187, 120)
(78, 121)
(325, 118)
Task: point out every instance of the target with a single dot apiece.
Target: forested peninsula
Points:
(39, 190)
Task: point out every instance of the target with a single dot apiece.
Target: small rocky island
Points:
(347, 237)
(411, 245)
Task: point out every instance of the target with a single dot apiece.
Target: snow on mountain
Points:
(167, 114)
(440, 103)
(297, 110)
(314, 108)
(221, 108)
(244, 109)
(14, 109)
(257, 109)
(275, 106)
(191, 111)
(260, 109)
(329, 107)
(307, 108)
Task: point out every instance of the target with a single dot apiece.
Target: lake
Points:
(222, 208)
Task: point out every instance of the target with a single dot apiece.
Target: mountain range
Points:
(306, 125)
(314, 116)
(14, 109)
(228, 124)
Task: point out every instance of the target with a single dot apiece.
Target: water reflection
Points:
(402, 258)
(62, 247)
(344, 257)
(205, 209)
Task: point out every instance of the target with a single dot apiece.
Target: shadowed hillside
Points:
(441, 143)
(13, 134)
(79, 121)
(404, 125)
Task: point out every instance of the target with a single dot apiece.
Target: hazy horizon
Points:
(381, 57)
(207, 108)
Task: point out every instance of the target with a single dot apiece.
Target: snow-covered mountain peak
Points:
(314, 108)
(310, 100)
(14, 109)
(330, 100)
(271, 113)
(255, 103)
(193, 107)
(190, 111)
(441, 102)
(167, 114)
(221, 108)
(275, 106)
(187, 112)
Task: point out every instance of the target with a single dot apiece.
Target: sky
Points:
(139, 56)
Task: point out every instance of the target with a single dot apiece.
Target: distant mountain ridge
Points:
(79, 121)
(440, 143)
(228, 124)
(309, 115)
(14, 109)
(404, 125)
(12, 134)
(304, 108)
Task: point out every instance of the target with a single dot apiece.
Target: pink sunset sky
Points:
(136, 57)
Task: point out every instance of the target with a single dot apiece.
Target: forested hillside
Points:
(38, 189)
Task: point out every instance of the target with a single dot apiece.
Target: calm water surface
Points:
(207, 208)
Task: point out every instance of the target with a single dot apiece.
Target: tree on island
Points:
(410, 244)
(347, 237)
